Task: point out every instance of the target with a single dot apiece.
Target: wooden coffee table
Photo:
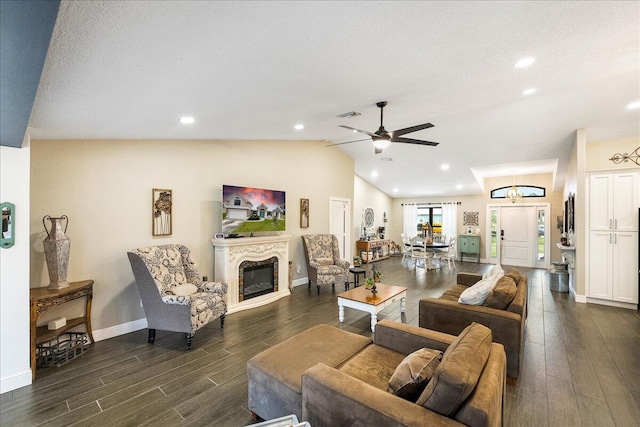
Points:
(363, 299)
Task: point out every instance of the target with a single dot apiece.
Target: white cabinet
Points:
(614, 199)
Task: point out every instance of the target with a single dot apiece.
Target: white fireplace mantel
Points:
(230, 253)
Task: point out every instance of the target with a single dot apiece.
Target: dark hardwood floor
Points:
(581, 363)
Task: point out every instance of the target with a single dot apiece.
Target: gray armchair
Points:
(174, 297)
(324, 265)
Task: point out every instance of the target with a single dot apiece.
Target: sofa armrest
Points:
(451, 317)
(468, 279)
(333, 398)
(406, 339)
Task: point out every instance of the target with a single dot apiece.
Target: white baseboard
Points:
(301, 281)
(16, 381)
(577, 297)
(124, 328)
(626, 305)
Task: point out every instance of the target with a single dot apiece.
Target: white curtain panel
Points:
(450, 219)
(410, 220)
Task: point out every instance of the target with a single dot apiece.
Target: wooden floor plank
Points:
(578, 359)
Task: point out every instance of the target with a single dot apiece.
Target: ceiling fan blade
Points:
(414, 141)
(348, 142)
(359, 130)
(416, 128)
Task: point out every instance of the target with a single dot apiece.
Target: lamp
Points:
(513, 193)
(382, 142)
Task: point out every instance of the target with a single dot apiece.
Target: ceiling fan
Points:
(383, 138)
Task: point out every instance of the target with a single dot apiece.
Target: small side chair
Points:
(324, 266)
(174, 297)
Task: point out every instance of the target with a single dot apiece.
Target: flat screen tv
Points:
(247, 210)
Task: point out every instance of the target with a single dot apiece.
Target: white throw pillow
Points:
(478, 293)
(495, 270)
(184, 290)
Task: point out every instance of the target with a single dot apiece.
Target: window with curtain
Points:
(442, 218)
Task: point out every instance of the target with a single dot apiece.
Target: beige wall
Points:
(599, 153)
(104, 187)
(368, 196)
(478, 203)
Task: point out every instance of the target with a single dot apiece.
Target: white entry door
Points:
(339, 224)
(517, 235)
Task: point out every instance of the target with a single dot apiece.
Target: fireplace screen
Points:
(258, 278)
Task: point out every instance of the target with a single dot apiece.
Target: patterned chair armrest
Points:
(215, 287)
(344, 264)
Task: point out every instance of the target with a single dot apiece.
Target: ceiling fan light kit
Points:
(382, 138)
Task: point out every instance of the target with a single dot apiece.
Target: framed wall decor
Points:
(304, 213)
(161, 212)
(471, 218)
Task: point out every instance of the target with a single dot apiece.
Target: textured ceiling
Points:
(251, 70)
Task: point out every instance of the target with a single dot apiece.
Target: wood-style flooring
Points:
(581, 362)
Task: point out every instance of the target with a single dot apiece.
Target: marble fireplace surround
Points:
(230, 253)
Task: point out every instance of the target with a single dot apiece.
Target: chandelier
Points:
(513, 193)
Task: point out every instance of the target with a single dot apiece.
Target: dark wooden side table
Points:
(43, 299)
(357, 271)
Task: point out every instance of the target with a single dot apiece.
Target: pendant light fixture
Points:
(513, 193)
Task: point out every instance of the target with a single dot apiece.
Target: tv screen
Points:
(252, 210)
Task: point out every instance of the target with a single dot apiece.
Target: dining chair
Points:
(450, 254)
(406, 246)
(419, 252)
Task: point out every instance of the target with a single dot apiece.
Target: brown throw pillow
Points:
(413, 373)
(457, 374)
(514, 274)
(503, 293)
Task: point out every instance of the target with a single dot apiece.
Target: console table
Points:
(469, 244)
(43, 299)
(378, 249)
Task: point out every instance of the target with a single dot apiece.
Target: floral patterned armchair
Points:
(324, 265)
(173, 294)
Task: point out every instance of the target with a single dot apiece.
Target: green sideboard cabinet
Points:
(469, 244)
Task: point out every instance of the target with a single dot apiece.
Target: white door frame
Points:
(546, 207)
(347, 226)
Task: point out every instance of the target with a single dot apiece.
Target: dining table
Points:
(434, 247)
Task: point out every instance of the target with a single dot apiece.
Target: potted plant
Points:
(377, 276)
(368, 283)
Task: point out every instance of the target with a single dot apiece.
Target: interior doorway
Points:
(518, 235)
(340, 224)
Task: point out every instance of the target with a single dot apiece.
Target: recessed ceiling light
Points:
(374, 174)
(187, 120)
(524, 62)
(395, 190)
(459, 187)
(529, 91)
(299, 126)
(444, 167)
(386, 159)
(634, 105)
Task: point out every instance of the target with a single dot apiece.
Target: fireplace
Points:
(257, 278)
(250, 267)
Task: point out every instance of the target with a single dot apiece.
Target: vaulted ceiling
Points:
(253, 70)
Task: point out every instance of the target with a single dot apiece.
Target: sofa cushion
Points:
(457, 374)
(374, 365)
(414, 372)
(454, 292)
(478, 293)
(514, 274)
(503, 293)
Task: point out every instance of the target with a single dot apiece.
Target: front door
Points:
(517, 235)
